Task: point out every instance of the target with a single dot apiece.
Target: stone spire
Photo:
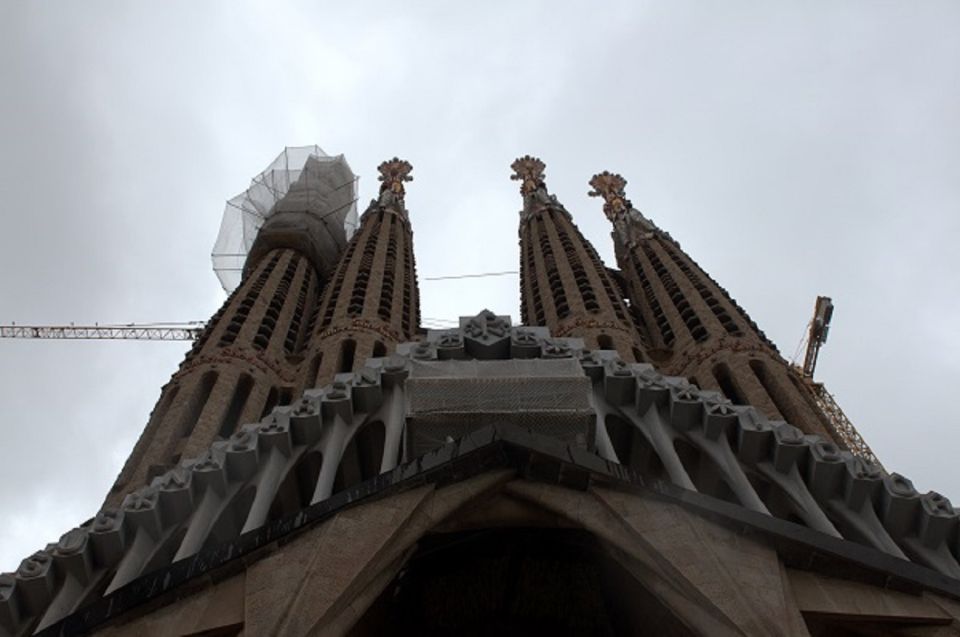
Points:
(695, 329)
(564, 285)
(372, 302)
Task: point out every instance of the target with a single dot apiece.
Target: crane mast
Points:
(842, 428)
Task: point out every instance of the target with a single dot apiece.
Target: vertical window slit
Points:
(231, 419)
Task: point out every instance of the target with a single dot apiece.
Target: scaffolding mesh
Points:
(301, 179)
(448, 399)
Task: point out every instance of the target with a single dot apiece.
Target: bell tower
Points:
(695, 327)
(563, 284)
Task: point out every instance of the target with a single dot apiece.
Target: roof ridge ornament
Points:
(611, 187)
(393, 173)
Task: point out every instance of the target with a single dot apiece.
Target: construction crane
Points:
(842, 428)
(127, 332)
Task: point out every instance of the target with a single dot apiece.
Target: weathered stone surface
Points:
(219, 607)
(818, 594)
(738, 573)
(290, 590)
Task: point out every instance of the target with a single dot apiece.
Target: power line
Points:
(469, 276)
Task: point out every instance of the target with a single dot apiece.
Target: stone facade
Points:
(320, 465)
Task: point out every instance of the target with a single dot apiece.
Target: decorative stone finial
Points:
(610, 186)
(529, 171)
(393, 173)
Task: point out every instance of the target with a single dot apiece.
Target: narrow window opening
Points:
(197, 402)
(773, 391)
(727, 385)
(379, 350)
(604, 341)
(314, 370)
(270, 404)
(231, 419)
(347, 350)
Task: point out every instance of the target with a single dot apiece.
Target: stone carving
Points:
(610, 186)
(529, 172)
(393, 174)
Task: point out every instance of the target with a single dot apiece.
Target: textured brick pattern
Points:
(564, 285)
(247, 361)
(694, 327)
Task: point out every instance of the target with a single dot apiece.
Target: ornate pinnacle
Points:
(529, 171)
(610, 186)
(393, 173)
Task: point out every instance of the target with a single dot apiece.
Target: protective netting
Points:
(301, 179)
(448, 399)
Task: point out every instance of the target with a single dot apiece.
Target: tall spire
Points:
(695, 328)
(564, 285)
(372, 302)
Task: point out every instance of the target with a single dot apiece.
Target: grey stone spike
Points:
(274, 433)
(899, 505)
(486, 336)
(450, 346)
(367, 391)
(677, 382)
(243, 455)
(650, 390)
(306, 425)
(619, 383)
(790, 446)
(593, 365)
(209, 472)
(645, 370)
(175, 493)
(754, 437)
(73, 554)
(336, 401)
(938, 519)
(9, 604)
(35, 581)
(423, 352)
(556, 348)
(394, 371)
(108, 537)
(525, 341)
(862, 481)
(141, 511)
(719, 417)
(711, 396)
(825, 471)
(686, 408)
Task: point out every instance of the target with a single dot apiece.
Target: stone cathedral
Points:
(631, 457)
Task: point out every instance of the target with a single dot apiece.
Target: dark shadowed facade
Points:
(635, 458)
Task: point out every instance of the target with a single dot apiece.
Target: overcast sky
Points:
(794, 149)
